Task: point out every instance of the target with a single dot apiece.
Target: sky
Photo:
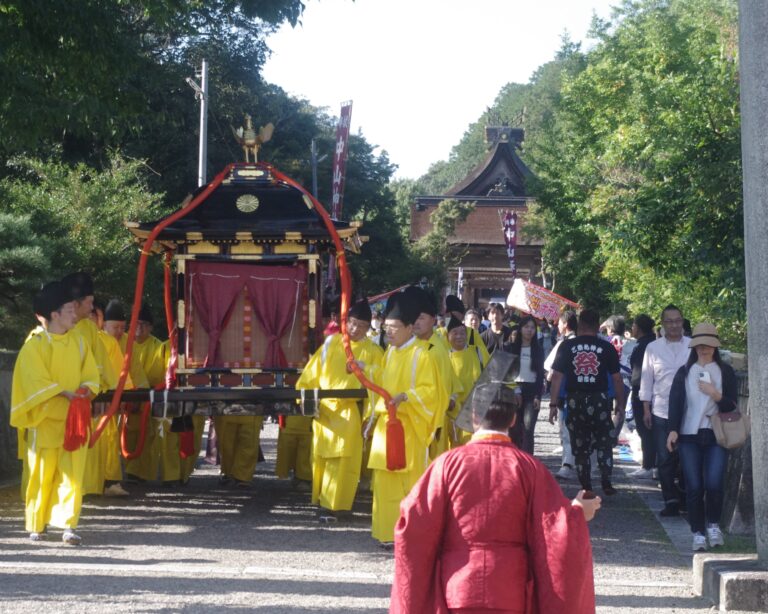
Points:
(419, 72)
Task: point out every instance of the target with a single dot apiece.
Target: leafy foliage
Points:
(64, 219)
(24, 263)
(434, 248)
(647, 184)
(635, 150)
(99, 127)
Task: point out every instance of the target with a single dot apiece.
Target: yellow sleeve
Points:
(137, 373)
(33, 383)
(424, 394)
(155, 361)
(474, 340)
(90, 332)
(89, 372)
(310, 375)
(115, 357)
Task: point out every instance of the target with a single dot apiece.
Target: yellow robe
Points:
(337, 443)
(111, 435)
(412, 370)
(449, 388)
(95, 470)
(238, 439)
(47, 365)
(466, 366)
(148, 363)
(294, 448)
(474, 340)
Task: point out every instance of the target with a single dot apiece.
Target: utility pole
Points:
(201, 94)
(314, 160)
(313, 154)
(753, 49)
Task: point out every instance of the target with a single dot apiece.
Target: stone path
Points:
(209, 548)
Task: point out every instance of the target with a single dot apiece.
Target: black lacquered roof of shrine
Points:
(250, 200)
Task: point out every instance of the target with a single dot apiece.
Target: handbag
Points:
(731, 429)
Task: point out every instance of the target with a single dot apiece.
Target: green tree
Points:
(24, 264)
(434, 249)
(61, 219)
(649, 172)
(85, 73)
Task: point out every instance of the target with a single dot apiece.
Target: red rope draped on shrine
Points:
(137, 298)
(395, 433)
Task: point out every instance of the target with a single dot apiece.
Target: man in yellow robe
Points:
(467, 367)
(437, 346)
(149, 354)
(337, 444)
(455, 308)
(294, 450)
(114, 329)
(50, 370)
(411, 376)
(238, 438)
(81, 291)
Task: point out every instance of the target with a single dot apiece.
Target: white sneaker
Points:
(699, 543)
(116, 490)
(565, 473)
(714, 536)
(35, 537)
(71, 538)
(641, 474)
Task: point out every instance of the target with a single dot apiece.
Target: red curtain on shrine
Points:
(214, 289)
(274, 292)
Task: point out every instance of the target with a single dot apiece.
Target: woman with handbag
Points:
(701, 389)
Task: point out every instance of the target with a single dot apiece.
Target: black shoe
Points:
(670, 510)
(608, 488)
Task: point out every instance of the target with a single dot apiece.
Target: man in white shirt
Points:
(662, 360)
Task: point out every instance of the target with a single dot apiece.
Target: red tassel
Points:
(395, 442)
(281, 421)
(78, 426)
(186, 444)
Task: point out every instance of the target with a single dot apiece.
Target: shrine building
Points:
(496, 186)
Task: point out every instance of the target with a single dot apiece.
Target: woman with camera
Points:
(701, 388)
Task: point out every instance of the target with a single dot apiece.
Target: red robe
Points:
(487, 526)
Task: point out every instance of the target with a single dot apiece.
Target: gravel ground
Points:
(206, 548)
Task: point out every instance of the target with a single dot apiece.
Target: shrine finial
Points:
(250, 141)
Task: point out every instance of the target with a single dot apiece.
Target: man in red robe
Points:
(487, 528)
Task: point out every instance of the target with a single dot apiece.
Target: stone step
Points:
(732, 582)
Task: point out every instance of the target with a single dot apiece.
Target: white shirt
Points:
(699, 406)
(526, 374)
(550, 359)
(661, 361)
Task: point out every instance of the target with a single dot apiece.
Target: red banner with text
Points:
(510, 239)
(537, 301)
(340, 158)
